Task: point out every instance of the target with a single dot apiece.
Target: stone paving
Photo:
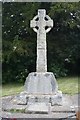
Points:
(68, 110)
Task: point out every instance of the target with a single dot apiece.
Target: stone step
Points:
(53, 115)
(37, 108)
(63, 109)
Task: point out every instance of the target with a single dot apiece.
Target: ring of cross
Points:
(46, 30)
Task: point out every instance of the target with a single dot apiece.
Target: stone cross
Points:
(41, 24)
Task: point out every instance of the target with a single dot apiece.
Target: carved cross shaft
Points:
(41, 24)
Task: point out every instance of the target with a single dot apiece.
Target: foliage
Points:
(19, 40)
(59, 70)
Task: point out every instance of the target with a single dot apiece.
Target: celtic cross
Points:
(41, 24)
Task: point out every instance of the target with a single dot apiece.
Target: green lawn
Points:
(11, 89)
(68, 85)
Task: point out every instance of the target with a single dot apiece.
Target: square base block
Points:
(41, 83)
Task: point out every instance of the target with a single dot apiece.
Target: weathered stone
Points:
(62, 108)
(57, 99)
(41, 83)
(10, 107)
(20, 99)
(66, 111)
(66, 116)
(40, 22)
(37, 107)
(39, 99)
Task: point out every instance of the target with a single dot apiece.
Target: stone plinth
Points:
(41, 83)
(40, 88)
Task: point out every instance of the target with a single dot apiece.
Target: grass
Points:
(17, 110)
(11, 89)
(68, 85)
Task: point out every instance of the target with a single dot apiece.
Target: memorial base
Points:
(37, 110)
(40, 88)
